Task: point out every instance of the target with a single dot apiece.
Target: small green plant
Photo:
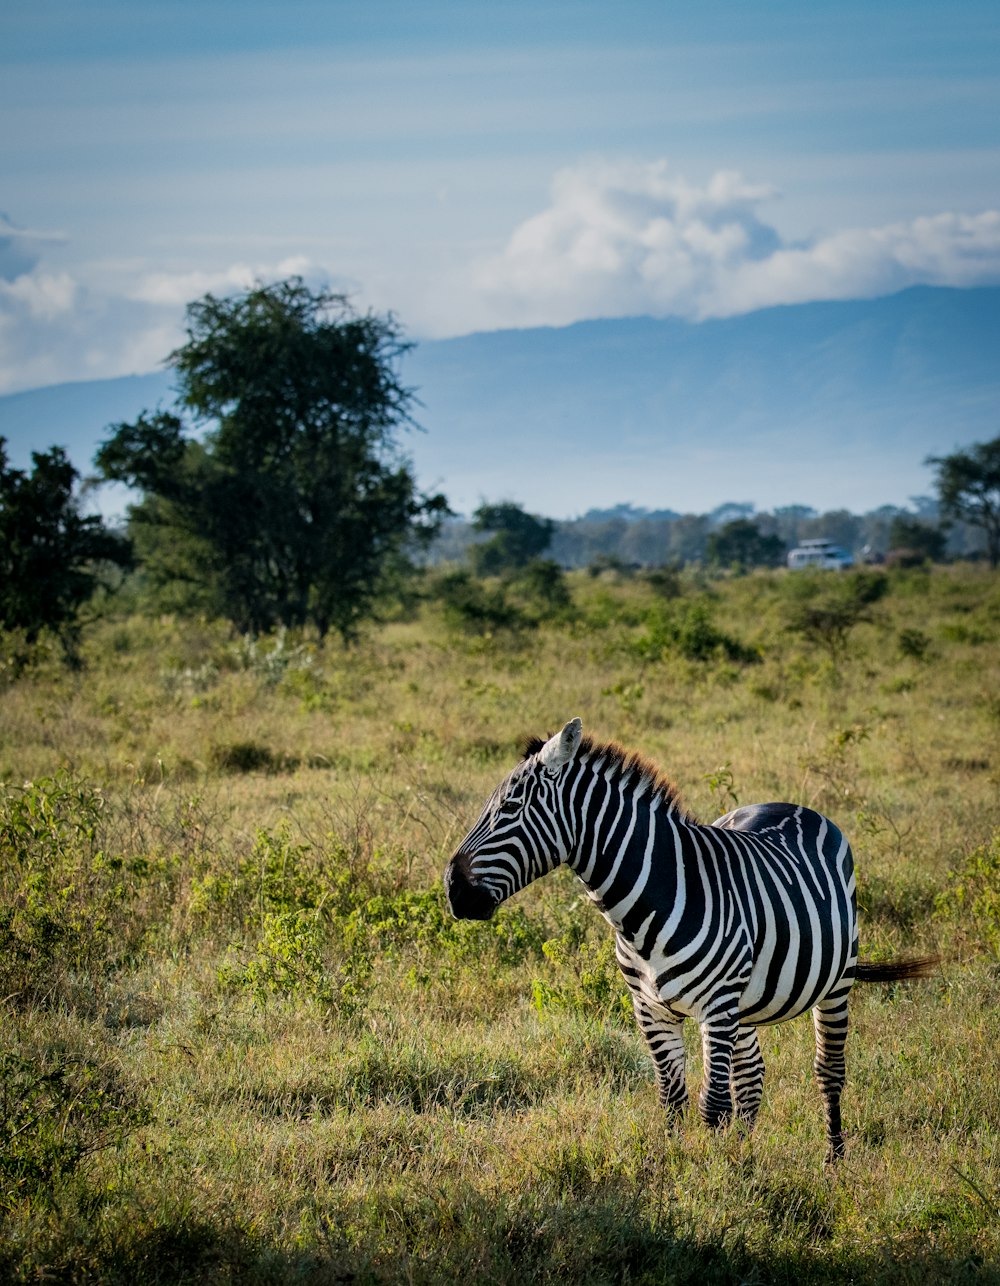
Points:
(190, 680)
(722, 784)
(49, 816)
(686, 629)
(587, 980)
(56, 1109)
(476, 608)
(542, 587)
(279, 875)
(825, 608)
(629, 695)
(287, 959)
(393, 923)
(271, 663)
(973, 893)
(913, 644)
(836, 765)
(248, 757)
(66, 900)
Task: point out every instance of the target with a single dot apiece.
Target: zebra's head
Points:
(520, 833)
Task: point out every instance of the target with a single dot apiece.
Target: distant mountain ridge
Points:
(827, 404)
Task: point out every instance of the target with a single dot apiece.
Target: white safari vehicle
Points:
(819, 553)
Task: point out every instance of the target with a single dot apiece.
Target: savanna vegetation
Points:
(243, 1041)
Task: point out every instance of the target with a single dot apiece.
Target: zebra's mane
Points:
(631, 766)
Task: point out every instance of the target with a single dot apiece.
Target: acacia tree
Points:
(296, 500)
(916, 539)
(52, 557)
(968, 485)
(741, 544)
(518, 537)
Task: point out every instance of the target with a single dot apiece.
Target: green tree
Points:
(917, 539)
(295, 501)
(741, 544)
(518, 537)
(52, 558)
(688, 538)
(824, 607)
(968, 484)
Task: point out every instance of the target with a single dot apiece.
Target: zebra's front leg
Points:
(665, 1037)
(718, 1038)
(748, 1075)
(830, 1024)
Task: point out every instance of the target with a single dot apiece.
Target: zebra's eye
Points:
(510, 808)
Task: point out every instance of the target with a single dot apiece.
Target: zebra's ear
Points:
(561, 748)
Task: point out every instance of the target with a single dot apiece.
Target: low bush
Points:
(57, 1108)
(972, 897)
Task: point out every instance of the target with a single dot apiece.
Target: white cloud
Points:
(21, 248)
(107, 319)
(625, 238)
(178, 288)
(44, 295)
(616, 239)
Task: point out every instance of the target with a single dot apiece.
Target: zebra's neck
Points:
(627, 825)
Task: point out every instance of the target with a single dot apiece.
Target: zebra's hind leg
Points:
(747, 1075)
(718, 1038)
(665, 1037)
(830, 1023)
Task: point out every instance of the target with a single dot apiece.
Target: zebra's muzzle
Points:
(466, 900)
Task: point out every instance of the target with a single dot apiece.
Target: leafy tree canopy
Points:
(968, 485)
(920, 539)
(51, 557)
(518, 537)
(741, 544)
(295, 501)
(825, 606)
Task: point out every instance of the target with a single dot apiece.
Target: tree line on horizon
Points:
(276, 493)
(734, 535)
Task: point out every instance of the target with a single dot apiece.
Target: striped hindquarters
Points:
(793, 873)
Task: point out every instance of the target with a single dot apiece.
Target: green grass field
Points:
(243, 1041)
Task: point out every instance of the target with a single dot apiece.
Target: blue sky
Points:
(477, 166)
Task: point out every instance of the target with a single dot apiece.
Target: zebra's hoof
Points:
(715, 1116)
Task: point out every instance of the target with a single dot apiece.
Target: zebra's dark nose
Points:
(466, 900)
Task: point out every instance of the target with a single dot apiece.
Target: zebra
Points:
(746, 922)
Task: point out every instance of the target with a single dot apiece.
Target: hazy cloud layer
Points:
(98, 321)
(617, 239)
(21, 248)
(622, 239)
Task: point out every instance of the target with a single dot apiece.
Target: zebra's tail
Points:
(896, 970)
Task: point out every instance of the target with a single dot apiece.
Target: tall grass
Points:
(242, 1039)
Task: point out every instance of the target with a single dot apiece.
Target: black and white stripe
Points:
(748, 921)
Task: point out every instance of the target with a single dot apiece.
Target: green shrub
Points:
(249, 756)
(69, 904)
(57, 1108)
(543, 588)
(586, 979)
(913, 643)
(287, 959)
(414, 918)
(477, 608)
(271, 663)
(278, 875)
(825, 607)
(686, 629)
(973, 893)
(49, 816)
